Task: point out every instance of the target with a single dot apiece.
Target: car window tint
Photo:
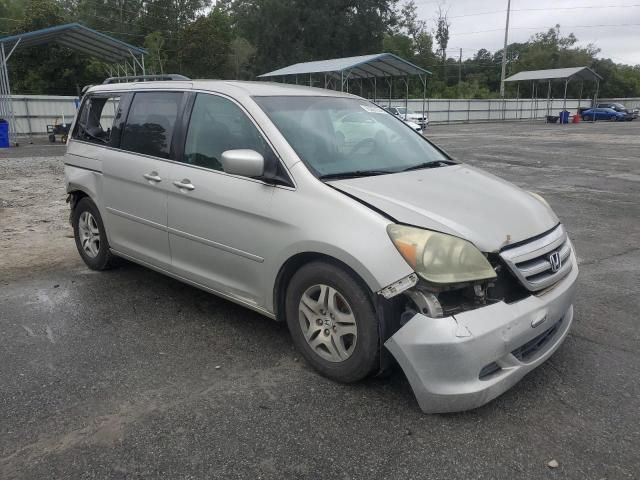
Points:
(96, 120)
(150, 123)
(217, 125)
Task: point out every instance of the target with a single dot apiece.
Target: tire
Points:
(343, 329)
(90, 236)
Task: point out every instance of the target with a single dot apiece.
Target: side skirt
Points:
(226, 296)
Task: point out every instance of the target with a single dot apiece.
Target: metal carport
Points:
(363, 67)
(76, 37)
(557, 74)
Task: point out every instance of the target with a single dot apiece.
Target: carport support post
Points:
(532, 95)
(595, 100)
(424, 94)
(564, 102)
(549, 98)
(580, 96)
(7, 92)
(406, 97)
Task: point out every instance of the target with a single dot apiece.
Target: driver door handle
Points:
(186, 184)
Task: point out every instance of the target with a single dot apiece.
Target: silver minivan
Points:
(322, 210)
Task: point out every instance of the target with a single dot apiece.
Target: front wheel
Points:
(332, 322)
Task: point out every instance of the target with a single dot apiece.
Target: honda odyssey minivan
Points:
(370, 242)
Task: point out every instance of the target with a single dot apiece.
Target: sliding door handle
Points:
(152, 177)
(184, 184)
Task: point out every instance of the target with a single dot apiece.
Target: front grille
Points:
(529, 349)
(542, 262)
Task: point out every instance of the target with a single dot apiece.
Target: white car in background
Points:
(409, 116)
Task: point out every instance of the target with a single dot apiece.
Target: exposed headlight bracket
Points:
(396, 288)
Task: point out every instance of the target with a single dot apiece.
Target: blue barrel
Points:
(564, 116)
(4, 133)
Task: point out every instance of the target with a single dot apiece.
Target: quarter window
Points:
(217, 125)
(150, 123)
(98, 119)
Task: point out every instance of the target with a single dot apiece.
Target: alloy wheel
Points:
(327, 323)
(89, 234)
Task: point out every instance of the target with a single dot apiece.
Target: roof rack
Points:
(145, 78)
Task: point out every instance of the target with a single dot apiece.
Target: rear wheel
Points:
(332, 322)
(90, 236)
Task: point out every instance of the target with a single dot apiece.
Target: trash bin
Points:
(4, 133)
(564, 116)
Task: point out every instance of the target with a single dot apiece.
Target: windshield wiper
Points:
(354, 174)
(432, 164)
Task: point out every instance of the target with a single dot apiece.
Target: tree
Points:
(156, 57)
(241, 53)
(442, 37)
(290, 31)
(206, 46)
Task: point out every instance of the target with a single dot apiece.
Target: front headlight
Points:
(440, 258)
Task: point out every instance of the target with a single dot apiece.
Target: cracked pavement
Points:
(129, 374)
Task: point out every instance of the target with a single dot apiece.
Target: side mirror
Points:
(244, 162)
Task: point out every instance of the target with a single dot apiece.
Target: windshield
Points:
(334, 135)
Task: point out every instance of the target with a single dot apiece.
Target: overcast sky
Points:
(591, 21)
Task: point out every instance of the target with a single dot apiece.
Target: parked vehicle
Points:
(409, 115)
(366, 240)
(618, 107)
(604, 114)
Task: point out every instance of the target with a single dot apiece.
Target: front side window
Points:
(335, 136)
(98, 119)
(217, 125)
(151, 122)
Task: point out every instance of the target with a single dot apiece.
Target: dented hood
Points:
(459, 200)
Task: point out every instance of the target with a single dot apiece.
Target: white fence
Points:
(489, 110)
(34, 112)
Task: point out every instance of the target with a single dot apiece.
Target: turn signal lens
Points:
(440, 258)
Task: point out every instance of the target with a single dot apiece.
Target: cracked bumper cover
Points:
(442, 358)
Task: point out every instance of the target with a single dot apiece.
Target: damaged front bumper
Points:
(463, 361)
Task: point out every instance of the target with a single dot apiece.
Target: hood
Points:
(459, 200)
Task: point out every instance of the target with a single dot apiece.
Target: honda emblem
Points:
(555, 261)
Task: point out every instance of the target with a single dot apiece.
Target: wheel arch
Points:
(297, 261)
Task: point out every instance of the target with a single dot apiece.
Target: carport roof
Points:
(365, 66)
(77, 37)
(584, 73)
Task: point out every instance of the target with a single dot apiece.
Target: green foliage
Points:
(244, 38)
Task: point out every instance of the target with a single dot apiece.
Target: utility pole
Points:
(459, 72)
(504, 51)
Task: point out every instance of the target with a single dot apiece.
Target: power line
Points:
(494, 12)
(546, 27)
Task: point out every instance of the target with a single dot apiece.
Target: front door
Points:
(219, 224)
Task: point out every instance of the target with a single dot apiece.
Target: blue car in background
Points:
(605, 114)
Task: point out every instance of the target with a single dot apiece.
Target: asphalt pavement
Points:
(130, 374)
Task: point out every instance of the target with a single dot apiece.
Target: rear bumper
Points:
(446, 360)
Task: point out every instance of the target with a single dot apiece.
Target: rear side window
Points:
(98, 119)
(151, 122)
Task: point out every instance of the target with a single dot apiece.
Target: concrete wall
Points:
(34, 112)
